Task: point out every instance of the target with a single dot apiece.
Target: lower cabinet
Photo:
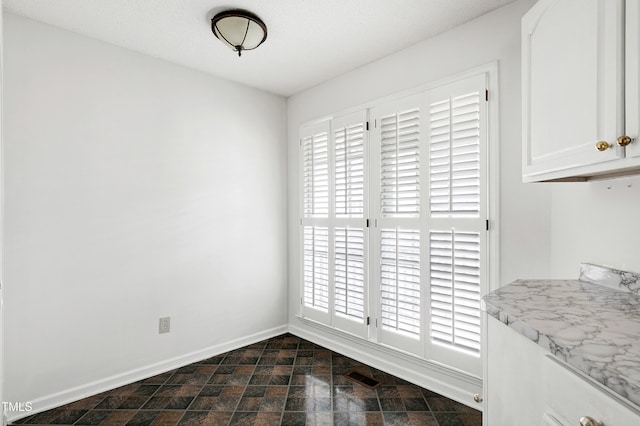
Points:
(569, 396)
(526, 385)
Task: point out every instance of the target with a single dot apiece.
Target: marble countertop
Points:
(592, 323)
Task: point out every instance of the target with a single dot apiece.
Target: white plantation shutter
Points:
(398, 208)
(400, 167)
(315, 152)
(334, 208)
(349, 272)
(454, 148)
(400, 281)
(455, 289)
(393, 215)
(316, 235)
(351, 240)
(349, 174)
(316, 267)
(457, 185)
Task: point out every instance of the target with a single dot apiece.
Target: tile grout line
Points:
(185, 410)
(151, 396)
(284, 407)
(331, 387)
(378, 398)
(255, 366)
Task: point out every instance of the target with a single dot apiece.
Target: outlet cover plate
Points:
(164, 325)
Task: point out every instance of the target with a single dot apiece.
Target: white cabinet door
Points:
(571, 396)
(526, 386)
(572, 59)
(514, 392)
(632, 77)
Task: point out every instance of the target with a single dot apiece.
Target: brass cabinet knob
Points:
(603, 146)
(589, 421)
(624, 140)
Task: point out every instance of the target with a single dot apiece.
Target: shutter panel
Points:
(334, 239)
(350, 237)
(397, 161)
(349, 177)
(349, 272)
(316, 169)
(316, 267)
(465, 155)
(315, 157)
(455, 289)
(400, 281)
(400, 167)
(457, 238)
(454, 149)
(454, 192)
(440, 158)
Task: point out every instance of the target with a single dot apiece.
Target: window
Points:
(394, 211)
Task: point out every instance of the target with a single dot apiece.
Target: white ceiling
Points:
(309, 41)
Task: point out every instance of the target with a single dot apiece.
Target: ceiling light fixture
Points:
(239, 29)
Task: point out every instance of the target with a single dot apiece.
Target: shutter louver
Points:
(349, 272)
(400, 281)
(316, 267)
(454, 152)
(400, 167)
(315, 153)
(349, 174)
(455, 289)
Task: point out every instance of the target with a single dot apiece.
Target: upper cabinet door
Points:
(632, 77)
(572, 59)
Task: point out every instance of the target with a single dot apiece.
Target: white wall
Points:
(524, 216)
(596, 222)
(134, 189)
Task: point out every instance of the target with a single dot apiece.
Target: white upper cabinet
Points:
(576, 77)
(632, 78)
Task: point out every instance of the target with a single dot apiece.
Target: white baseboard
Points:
(79, 392)
(450, 383)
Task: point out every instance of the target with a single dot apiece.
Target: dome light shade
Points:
(239, 29)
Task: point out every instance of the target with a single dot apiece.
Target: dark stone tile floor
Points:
(285, 380)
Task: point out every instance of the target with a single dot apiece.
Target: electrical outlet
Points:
(164, 325)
